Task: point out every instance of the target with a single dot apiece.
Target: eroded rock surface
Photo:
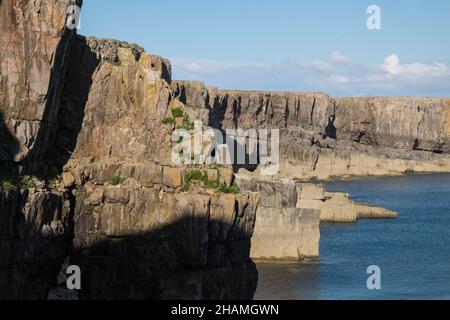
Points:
(35, 47)
(336, 206)
(35, 222)
(283, 230)
(90, 118)
(35, 237)
(86, 115)
(289, 216)
(323, 137)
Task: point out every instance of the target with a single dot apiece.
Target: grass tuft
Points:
(117, 180)
(202, 177)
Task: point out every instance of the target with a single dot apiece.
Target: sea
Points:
(402, 259)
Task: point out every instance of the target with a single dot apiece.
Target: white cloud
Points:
(392, 65)
(338, 57)
(416, 70)
(336, 61)
(338, 79)
(322, 65)
(210, 66)
(338, 75)
(192, 66)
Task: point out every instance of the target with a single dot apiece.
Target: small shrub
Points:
(186, 127)
(213, 184)
(117, 180)
(28, 182)
(196, 175)
(53, 183)
(199, 176)
(177, 113)
(92, 160)
(234, 189)
(7, 185)
(169, 120)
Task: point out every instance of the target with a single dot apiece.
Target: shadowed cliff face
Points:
(9, 145)
(186, 249)
(194, 257)
(35, 237)
(63, 117)
(32, 41)
(92, 111)
(35, 221)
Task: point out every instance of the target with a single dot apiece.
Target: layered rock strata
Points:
(283, 230)
(35, 237)
(87, 173)
(92, 120)
(336, 206)
(323, 137)
(289, 216)
(33, 61)
(35, 221)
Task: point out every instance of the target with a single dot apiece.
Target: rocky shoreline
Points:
(289, 216)
(87, 174)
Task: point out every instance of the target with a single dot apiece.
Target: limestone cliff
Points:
(289, 216)
(283, 229)
(86, 173)
(86, 168)
(35, 227)
(155, 239)
(324, 137)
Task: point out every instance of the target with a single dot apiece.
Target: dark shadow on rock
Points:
(67, 96)
(176, 261)
(35, 238)
(30, 254)
(217, 111)
(216, 117)
(77, 84)
(185, 260)
(9, 148)
(330, 130)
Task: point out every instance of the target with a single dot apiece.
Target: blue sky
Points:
(289, 45)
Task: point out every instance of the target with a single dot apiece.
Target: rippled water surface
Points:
(412, 251)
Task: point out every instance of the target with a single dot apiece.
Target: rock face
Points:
(155, 241)
(35, 223)
(33, 59)
(283, 231)
(323, 137)
(337, 207)
(35, 236)
(93, 120)
(141, 243)
(289, 216)
(91, 112)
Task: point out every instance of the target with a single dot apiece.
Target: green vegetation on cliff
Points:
(202, 177)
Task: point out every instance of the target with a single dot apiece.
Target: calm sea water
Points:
(412, 251)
